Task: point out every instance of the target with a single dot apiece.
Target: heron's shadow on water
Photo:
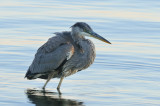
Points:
(47, 98)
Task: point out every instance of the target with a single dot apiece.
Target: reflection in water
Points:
(47, 98)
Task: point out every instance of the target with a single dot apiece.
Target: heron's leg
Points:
(60, 82)
(46, 82)
(50, 76)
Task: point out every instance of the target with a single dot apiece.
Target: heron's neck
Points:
(77, 37)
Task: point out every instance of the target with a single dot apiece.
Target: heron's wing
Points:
(50, 56)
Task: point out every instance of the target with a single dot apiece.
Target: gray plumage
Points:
(64, 54)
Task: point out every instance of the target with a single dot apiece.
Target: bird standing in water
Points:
(64, 54)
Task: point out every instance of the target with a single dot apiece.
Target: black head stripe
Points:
(81, 25)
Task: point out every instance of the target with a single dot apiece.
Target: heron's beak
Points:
(95, 35)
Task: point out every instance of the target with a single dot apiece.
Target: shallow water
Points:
(124, 73)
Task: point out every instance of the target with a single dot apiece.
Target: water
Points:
(125, 73)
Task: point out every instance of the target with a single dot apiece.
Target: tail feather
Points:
(29, 75)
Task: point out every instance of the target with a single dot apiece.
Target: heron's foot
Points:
(43, 88)
(58, 89)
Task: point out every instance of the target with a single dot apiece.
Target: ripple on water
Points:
(124, 73)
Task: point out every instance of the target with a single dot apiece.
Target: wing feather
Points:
(50, 55)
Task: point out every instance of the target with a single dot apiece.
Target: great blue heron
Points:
(64, 54)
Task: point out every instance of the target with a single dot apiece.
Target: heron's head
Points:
(82, 29)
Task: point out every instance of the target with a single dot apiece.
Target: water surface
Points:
(124, 73)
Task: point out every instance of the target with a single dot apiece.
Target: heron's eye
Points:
(85, 30)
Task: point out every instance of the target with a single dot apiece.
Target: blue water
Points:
(125, 73)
